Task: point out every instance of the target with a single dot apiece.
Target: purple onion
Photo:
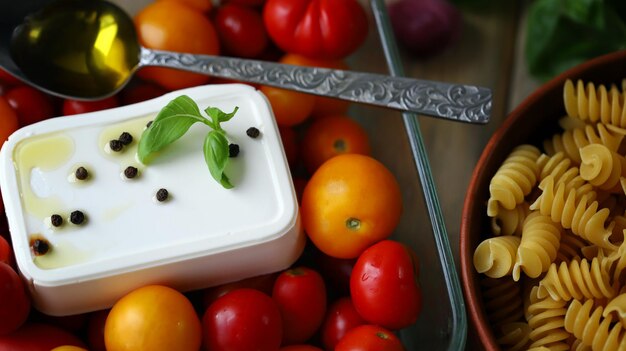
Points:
(425, 27)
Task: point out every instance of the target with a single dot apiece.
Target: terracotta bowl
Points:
(531, 122)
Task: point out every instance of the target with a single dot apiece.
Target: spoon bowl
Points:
(97, 59)
(89, 50)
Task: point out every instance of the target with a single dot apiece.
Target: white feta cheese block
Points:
(202, 235)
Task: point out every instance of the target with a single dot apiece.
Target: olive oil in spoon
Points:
(88, 49)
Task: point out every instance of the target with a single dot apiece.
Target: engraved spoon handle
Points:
(464, 103)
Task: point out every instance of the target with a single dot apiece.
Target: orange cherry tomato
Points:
(350, 202)
(330, 136)
(290, 107)
(323, 105)
(154, 318)
(174, 26)
(8, 120)
(68, 348)
(199, 5)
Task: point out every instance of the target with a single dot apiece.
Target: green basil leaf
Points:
(216, 156)
(172, 122)
(218, 116)
(563, 33)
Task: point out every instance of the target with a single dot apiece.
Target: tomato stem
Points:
(353, 223)
(339, 145)
(382, 335)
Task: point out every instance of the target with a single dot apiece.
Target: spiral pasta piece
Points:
(546, 319)
(570, 248)
(595, 103)
(570, 141)
(513, 180)
(563, 171)
(614, 263)
(617, 305)
(538, 247)
(509, 222)
(513, 336)
(503, 300)
(578, 345)
(576, 280)
(580, 215)
(588, 326)
(495, 256)
(602, 167)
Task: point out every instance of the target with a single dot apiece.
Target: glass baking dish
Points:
(397, 141)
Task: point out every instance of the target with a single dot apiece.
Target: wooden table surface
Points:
(489, 53)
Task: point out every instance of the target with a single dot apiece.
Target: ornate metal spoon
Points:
(89, 50)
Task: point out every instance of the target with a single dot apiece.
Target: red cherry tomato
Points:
(31, 104)
(74, 107)
(6, 77)
(300, 348)
(8, 120)
(290, 143)
(336, 271)
(72, 323)
(369, 338)
(242, 320)
(95, 330)
(301, 296)
(341, 317)
(6, 253)
(255, 3)
(14, 303)
(328, 29)
(38, 337)
(384, 286)
(139, 92)
(241, 30)
(264, 283)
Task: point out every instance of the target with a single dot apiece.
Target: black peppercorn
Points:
(233, 150)
(116, 145)
(253, 132)
(77, 217)
(81, 173)
(162, 195)
(40, 247)
(56, 220)
(149, 124)
(130, 172)
(126, 138)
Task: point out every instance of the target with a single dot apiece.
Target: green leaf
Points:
(563, 33)
(216, 156)
(218, 116)
(172, 122)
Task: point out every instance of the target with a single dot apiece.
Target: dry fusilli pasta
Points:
(592, 329)
(509, 222)
(585, 219)
(577, 280)
(514, 179)
(546, 318)
(602, 167)
(503, 300)
(570, 141)
(595, 103)
(495, 256)
(538, 247)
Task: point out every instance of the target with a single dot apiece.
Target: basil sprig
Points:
(175, 119)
